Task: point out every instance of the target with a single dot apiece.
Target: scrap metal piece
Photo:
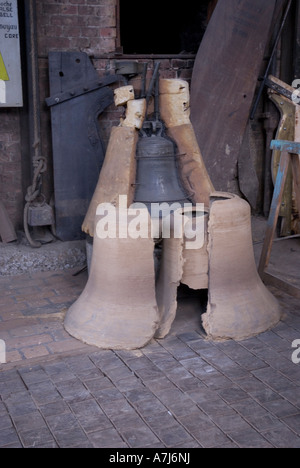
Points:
(78, 97)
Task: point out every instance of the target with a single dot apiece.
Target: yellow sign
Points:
(3, 73)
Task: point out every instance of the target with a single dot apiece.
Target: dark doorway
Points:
(162, 27)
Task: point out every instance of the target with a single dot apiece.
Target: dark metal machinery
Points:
(78, 97)
(157, 178)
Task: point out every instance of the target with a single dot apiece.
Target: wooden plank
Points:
(288, 146)
(274, 213)
(224, 79)
(273, 280)
(285, 131)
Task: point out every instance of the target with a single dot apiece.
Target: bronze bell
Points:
(157, 178)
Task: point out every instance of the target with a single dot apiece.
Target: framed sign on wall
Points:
(11, 94)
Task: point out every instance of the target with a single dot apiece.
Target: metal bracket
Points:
(279, 89)
(79, 91)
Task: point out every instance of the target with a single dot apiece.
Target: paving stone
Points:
(29, 422)
(121, 408)
(90, 416)
(150, 373)
(263, 423)
(173, 435)
(249, 407)
(281, 408)
(73, 390)
(180, 392)
(97, 385)
(149, 406)
(33, 375)
(107, 396)
(292, 395)
(250, 439)
(190, 384)
(197, 421)
(265, 395)
(61, 422)
(189, 336)
(250, 384)
(130, 383)
(32, 438)
(232, 394)
(217, 382)
(108, 438)
(203, 395)
(138, 437)
(20, 403)
(160, 384)
(211, 438)
(293, 422)
(282, 437)
(44, 392)
(8, 436)
(272, 378)
(119, 373)
(59, 372)
(55, 408)
(139, 363)
(177, 402)
(231, 423)
(11, 386)
(80, 365)
(122, 423)
(71, 438)
(216, 407)
(5, 422)
(158, 420)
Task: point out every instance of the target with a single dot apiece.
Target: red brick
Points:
(35, 351)
(64, 20)
(13, 356)
(28, 341)
(72, 31)
(87, 10)
(108, 32)
(65, 346)
(69, 10)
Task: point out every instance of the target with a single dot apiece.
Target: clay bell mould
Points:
(117, 309)
(239, 304)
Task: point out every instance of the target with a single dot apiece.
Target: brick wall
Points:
(10, 164)
(88, 26)
(85, 25)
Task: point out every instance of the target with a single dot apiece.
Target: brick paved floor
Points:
(183, 391)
